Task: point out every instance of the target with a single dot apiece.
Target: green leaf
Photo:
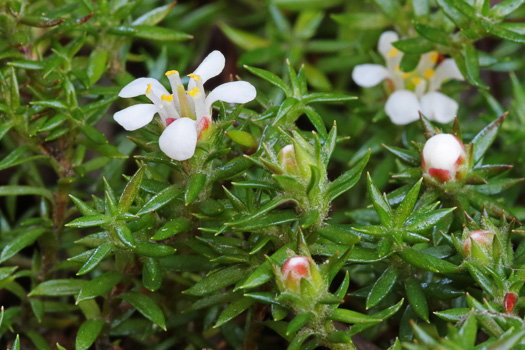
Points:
(59, 287)
(150, 33)
(194, 187)
(154, 16)
(298, 322)
(88, 333)
(242, 138)
(505, 8)
(362, 20)
(405, 208)
(98, 255)
(287, 109)
(160, 199)
(422, 222)
(416, 298)
(15, 190)
(97, 65)
(269, 77)
(485, 138)
(125, 235)
(415, 46)
(99, 285)
(433, 34)
(382, 287)
(468, 63)
(154, 250)
(427, 262)
(234, 309)
(453, 315)
(151, 274)
(146, 306)
(409, 62)
(383, 209)
(245, 40)
(16, 343)
(264, 273)
(172, 228)
(90, 220)
(349, 316)
(339, 337)
(130, 191)
(20, 242)
(267, 207)
(348, 180)
(217, 280)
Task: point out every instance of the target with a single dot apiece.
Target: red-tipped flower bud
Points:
(483, 239)
(287, 159)
(510, 301)
(444, 158)
(294, 270)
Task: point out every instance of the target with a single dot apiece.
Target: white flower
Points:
(444, 158)
(415, 91)
(185, 113)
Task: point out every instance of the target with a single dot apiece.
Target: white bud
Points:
(443, 158)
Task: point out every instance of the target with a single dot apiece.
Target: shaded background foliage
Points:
(63, 64)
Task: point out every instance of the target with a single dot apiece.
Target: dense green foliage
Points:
(107, 243)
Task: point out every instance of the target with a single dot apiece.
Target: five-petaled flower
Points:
(186, 114)
(414, 91)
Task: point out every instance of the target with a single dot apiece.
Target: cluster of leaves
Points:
(106, 242)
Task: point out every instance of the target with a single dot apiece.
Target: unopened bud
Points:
(510, 301)
(484, 240)
(297, 268)
(287, 159)
(444, 158)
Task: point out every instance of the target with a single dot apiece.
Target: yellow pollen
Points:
(405, 75)
(148, 90)
(193, 92)
(170, 72)
(434, 57)
(195, 77)
(416, 80)
(165, 97)
(429, 73)
(393, 52)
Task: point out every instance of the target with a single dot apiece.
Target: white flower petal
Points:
(211, 66)
(446, 70)
(179, 139)
(368, 75)
(439, 107)
(135, 117)
(384, 46)
(402, 107)
(139, 86)
(233, 92)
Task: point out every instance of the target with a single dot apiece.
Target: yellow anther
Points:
(429, 73)
(434, 57)
(397, 68)
(393, 52)
(165, 97)
(148, 90)
(170, 72)
(193, 92)
(404, 76)
(416, 80)
(195, 77)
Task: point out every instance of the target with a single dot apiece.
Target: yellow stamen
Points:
(404, 76)
(397, 68)
(170, 72)
(193, 92)
(416, 80)
(148, 90)
(393, 52)
(195, 77)
(434, 57)
(165, 97)
(429, 73)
